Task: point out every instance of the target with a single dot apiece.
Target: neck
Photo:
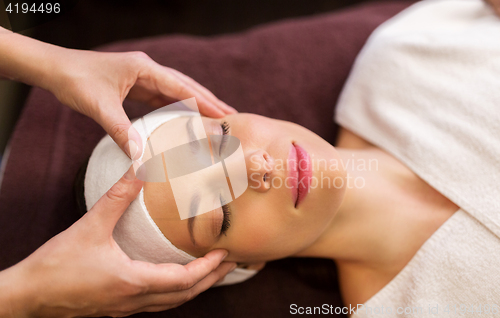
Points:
(349, 235)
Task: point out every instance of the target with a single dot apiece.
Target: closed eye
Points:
(226, 221)
(225, 131)
(225, 128)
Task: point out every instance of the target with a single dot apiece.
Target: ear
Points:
(253, 266)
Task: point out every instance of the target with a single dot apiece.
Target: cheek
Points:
(254, 238)
(253, 130)
(265, 232)
(254, 224)
(270, 243)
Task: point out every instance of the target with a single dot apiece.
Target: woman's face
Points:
(265, 222)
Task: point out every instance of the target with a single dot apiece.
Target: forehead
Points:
(173, 133)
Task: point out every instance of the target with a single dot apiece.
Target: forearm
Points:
(14, 296)
(27, 60)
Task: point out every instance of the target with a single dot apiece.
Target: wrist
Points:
(27, 60)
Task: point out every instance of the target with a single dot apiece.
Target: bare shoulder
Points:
(348, 139)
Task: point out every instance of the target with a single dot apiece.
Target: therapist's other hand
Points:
(96, 83)
(83, 272)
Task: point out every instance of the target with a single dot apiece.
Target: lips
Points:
(293, 174)
(305, 173)
(299, 173)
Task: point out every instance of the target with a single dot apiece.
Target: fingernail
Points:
(220, 280)
(133, 149)
(225, 255)
(130, 174)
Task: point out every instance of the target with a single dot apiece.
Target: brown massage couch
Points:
(292, 70)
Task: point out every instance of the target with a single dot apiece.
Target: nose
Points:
(260, 166)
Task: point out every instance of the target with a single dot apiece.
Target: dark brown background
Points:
(95, 22)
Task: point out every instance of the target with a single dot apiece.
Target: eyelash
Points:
(226, 222)
(225, 128)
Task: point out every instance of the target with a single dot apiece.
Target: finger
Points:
(199, 269)
(495, 5)
(173, 299)
(111, 205)
(214, 277)
(206, 93)
(160, 101)
(163, 278)
(117, 124)
(172, 85)
(182, 90)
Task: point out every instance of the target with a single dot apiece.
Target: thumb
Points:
(111, 205)
(117, 124)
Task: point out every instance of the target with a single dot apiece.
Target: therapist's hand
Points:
(96, 83)
(83, 272)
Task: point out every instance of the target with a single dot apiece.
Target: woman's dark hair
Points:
(79, 188)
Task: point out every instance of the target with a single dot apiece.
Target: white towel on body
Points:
(426, 88)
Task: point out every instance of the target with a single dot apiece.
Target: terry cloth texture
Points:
(425, 89)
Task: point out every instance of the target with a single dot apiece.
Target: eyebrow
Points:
(193, 207)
